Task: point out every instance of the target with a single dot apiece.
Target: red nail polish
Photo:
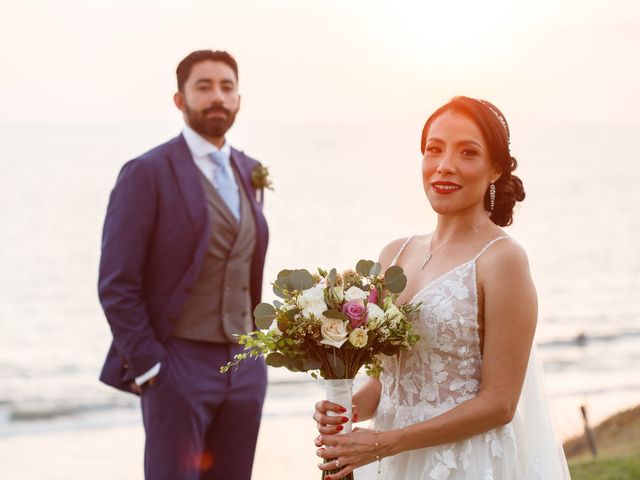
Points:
(344, 419)
(342, 409)
(339, 427)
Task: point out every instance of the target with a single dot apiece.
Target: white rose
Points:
(392, 314)
(375, 315)
(274, 327)
(334, 332)
(358, 337)
(355, 294)
(311, 301)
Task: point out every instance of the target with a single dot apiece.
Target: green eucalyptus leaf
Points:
(293, 364)
(301, 280)
(284, 273)
(276, 359)
(278, 291)
(363, 267)
(282, 283)
(311, 364)
(264, 314)
(394, 279)
(335, 314)
(333, 274)
(283, 324)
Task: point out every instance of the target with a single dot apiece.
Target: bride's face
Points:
(456, 167)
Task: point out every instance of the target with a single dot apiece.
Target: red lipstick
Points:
(445, 188)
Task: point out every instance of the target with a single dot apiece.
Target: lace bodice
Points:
(444, 368)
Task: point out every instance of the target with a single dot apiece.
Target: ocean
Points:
(342, 192)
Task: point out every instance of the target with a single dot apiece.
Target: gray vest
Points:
(220, 302)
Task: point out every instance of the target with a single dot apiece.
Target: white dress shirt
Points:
(200, 149)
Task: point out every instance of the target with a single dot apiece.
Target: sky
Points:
(312, 62)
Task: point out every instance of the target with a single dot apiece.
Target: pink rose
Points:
(356, 313)
(373, 295)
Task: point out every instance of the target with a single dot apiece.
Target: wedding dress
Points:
(443, 370)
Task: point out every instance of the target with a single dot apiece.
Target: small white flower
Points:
(311, 301)
(358, 337)
(334, 332)
(375, 315)
(355, 294)
(392, 315)
(384, 332)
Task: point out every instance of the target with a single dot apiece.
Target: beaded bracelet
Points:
(376, 444)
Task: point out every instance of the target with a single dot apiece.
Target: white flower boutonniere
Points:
(261, 180)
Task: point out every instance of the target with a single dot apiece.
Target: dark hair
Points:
(184, 67)
(495, 131)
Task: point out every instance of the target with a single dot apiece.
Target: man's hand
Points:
(135, 388)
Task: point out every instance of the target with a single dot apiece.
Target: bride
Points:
(467, 401)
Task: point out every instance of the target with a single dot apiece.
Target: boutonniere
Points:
(261, 180)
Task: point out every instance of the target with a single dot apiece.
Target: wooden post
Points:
(588, 433)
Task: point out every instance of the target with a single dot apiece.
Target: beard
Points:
(210, 126)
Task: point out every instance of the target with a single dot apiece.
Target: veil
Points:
(545, 457)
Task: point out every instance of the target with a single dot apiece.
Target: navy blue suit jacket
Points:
(156, 233)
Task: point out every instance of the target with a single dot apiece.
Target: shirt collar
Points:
(200, 146)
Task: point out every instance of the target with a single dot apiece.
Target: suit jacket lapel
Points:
(189, 183)
(241, 164)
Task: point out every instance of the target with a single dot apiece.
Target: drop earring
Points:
(492, 196)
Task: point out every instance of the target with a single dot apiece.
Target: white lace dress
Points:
(443, 370)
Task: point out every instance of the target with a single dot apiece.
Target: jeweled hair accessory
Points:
(503, 122)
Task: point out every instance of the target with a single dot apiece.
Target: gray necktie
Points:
(225, 182)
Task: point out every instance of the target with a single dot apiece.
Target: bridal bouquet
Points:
(332, 325)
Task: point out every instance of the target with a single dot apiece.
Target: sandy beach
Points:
(284, 452)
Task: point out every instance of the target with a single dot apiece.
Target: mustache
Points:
(216, 109)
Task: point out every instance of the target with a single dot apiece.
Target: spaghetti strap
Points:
(404, 245)
(486, 247)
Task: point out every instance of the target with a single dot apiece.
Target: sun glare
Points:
(444, 30)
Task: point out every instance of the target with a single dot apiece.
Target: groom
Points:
(183, 252)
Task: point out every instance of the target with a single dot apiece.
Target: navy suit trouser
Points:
(201, 424)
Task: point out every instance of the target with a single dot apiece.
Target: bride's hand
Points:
(330, 424)
(348, 451)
